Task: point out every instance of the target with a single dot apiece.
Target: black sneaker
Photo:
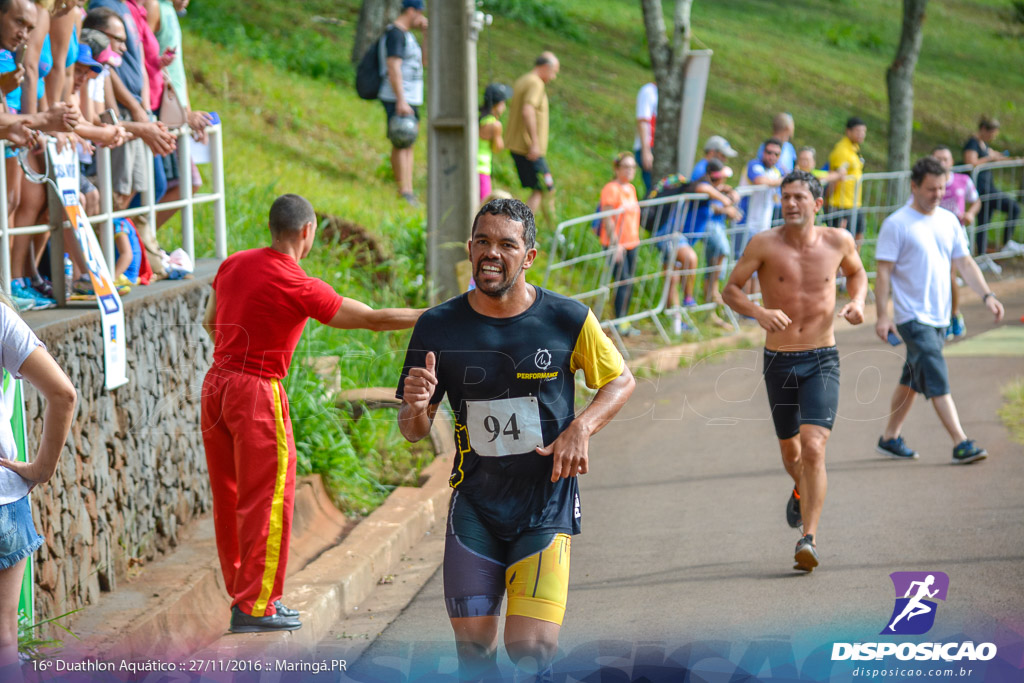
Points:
(806, 556)
(967, 452)
(245, 623)
(793, 517)
(895, 449)
(285, 611)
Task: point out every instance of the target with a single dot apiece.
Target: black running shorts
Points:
(534, 175)
(803, 388)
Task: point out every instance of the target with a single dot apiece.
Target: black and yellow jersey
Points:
(511, 384)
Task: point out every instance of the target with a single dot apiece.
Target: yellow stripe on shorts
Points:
(538, 585)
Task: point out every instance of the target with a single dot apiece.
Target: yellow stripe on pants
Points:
(276, 507)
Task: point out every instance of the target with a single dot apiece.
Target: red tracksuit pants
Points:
(250, 453)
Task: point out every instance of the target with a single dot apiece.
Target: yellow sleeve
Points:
(596, 355)
(836, 158)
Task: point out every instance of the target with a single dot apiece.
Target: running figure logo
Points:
(914, 613)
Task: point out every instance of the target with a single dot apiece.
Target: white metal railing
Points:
(581, 267)
(149, 206)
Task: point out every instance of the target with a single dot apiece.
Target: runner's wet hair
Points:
(798, 176)
(514, 210)
(289, 213)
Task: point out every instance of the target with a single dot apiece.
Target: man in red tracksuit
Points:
(260, 302)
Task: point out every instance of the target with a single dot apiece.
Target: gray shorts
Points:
(925, 368)
(128, 167)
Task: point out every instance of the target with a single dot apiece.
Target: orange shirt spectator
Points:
(621, 193)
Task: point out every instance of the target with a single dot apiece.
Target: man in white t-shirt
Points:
(643, 143)
(916, 247)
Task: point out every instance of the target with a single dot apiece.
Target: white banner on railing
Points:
(115, 357)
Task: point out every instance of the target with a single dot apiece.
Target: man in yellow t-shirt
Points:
(527, 136)
(846, 194)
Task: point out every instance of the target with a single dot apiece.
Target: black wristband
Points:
(986, 296)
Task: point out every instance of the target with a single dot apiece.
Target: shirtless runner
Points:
(796, 265)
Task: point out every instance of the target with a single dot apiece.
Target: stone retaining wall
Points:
(133, 472)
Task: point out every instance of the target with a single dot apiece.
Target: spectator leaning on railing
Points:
(18, 22)
(163, 19)
(977, 152)
(129, 93)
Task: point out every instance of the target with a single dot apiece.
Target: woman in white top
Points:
(24, 356)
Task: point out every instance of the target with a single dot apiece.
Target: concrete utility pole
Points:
(452, 183)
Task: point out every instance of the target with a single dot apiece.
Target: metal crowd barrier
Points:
(149, 206)
(584, 269)
(883, 193)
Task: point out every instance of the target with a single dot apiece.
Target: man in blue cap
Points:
(401, 92)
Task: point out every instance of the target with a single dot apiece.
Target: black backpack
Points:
(370, 72)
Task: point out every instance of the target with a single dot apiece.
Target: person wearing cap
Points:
(688, 221)
(717, 248)
(845, 196)
(760, 172)
(89, 87)
(124, 86)
(977, 152)
(716, 147)
(528, 133)
(401, 92)
(643, 143)
(490, 140)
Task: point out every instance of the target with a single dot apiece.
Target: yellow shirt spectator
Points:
(845, 193)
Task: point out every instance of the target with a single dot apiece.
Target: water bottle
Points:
(69, 275)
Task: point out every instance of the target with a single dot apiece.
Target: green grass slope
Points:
(288, 84)
(278, 75)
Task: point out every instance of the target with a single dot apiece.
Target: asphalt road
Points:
(685, 548)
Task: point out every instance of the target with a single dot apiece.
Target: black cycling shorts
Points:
(480, 569)
(803, 388)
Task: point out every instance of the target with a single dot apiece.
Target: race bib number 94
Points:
(505, 427)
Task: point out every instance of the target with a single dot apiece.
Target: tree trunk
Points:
(900, 81)
(374, 15)
(669, 64)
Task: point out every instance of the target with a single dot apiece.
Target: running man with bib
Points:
(796, 264)
(505, 354)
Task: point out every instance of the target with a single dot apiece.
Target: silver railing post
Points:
(220, 204)
(106, 204)
(185, 185)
